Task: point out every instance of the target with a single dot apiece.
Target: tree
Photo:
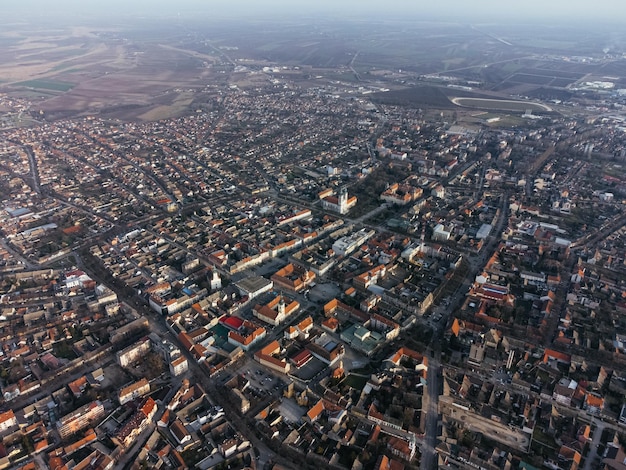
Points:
(154, 364)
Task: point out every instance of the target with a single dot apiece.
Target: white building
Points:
(133, 352)
(346, 245)
(341, 204)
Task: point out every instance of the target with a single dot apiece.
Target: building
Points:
(276, 311)
(346, 245)
(164, 347)
(341, 204)
(326, 349)
(180, 433)
(388, 328)
(246, 335)
(95, 460)
(293, 278)
(401, 194)
(614, 457)
(369, 277)
(438, 191)
(138, 423)
(441, 233)
(254, 286)
(179, 366)
(7, 420)
(79, 419)
(134, 352)
(268, 357)
(134, 390)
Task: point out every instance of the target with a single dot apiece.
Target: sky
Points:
(472, 10)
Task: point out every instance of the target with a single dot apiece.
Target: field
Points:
(420, 96)
(152, 70)
(52, 85)
(501, 105)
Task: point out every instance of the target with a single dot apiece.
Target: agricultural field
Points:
(52, 85)
(155, 71)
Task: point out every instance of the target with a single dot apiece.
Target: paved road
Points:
(429, 455)
(593, 451)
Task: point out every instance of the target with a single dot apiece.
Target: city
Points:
(292, 250)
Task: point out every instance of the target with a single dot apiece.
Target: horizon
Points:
(557, 12)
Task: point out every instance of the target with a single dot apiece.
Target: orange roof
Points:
(375, 434)
(402, 352)
(331, 323)
(142, 383)
(316, 411)
(71, 229)
(90, 436)
(41, 445)
(595, 401)
(6, 416)
(148, 406)
(185, 340)
(559, 356)
(77, 384)
(456, 327)
(270, 348)
(306, 323)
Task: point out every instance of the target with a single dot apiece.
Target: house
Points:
(553, 358)
(134, 390)
(569, 458)
(293, 278)
(180, 433)
(247, 336)
(276, 311)
(77, 387)
(179, 366)
(594, 404)
(79, 419)
(315, 412)
(267, 357)
(7, 420)
(564, 391)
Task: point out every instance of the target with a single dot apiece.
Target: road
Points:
(351, 67)
(434, 386)
(590, 460)
(33, 168)
(429, 455)
(16, 254)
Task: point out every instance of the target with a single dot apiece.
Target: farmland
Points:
(53, 85)
(137, 73)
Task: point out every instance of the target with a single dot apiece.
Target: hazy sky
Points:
(513, 10)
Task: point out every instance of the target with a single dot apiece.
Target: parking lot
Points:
(323, 293)
(261, 380)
